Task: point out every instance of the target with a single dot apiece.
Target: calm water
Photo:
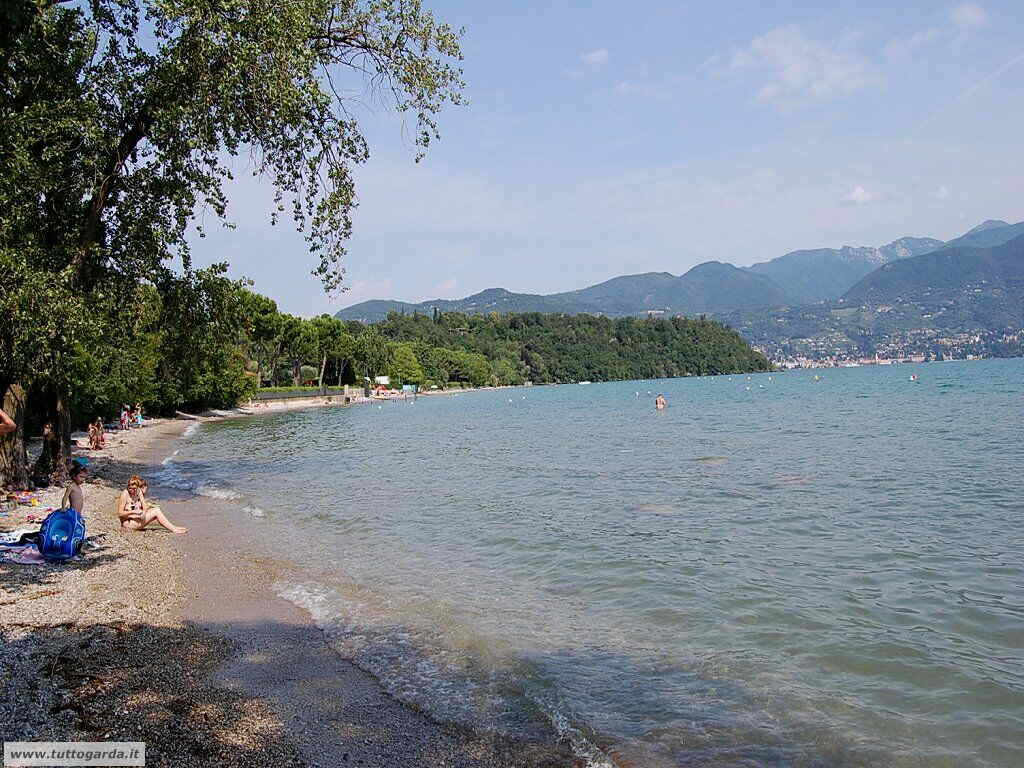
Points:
(777, 570)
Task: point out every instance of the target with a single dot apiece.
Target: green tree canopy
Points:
(404, 365)
(121, 119)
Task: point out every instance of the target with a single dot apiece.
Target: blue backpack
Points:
(61, 534)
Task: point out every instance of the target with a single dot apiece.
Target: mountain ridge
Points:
(801, 277)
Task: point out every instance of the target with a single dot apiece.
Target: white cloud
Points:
(595, 58)
(799, 69)
(970, 17)
(858, 196)
(645, 90)
(963, 20)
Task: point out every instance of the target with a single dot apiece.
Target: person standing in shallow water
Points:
(660, 403)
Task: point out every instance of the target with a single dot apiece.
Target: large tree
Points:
(119, 120)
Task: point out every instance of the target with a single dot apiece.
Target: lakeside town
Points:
(836, 350)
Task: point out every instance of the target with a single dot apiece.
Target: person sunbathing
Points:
(136, 513)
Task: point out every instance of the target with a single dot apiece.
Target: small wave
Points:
(412, 660)
(467, 685)
(255, 511)
(712, 459)
(215, 492)
(190, 429)
(171, 477)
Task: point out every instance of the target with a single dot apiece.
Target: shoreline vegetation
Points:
(152, 638)
(248, 346)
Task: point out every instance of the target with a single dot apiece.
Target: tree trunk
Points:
(341, 369)
(54, 461)
(13, 458)
(320, 381)
(296, 374)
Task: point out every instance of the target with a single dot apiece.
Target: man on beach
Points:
(74, 496)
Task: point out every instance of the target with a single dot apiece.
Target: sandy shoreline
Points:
(182, 643)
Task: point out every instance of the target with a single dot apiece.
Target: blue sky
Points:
(599, 142)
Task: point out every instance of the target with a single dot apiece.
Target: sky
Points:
(599, 142)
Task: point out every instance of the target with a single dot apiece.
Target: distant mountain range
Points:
(961, 275)
(798, 278)
(959, 300)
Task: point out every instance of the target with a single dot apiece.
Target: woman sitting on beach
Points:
(135, 513)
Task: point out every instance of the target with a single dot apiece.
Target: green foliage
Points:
(510, 349)
(405, 368)
(119, 119)
(371, 354)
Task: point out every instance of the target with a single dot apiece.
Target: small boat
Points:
(583, 382)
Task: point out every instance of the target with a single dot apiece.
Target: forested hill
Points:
(953, 302)
(562, 348)
(993, 278)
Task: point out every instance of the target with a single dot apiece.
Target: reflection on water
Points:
(805, 572)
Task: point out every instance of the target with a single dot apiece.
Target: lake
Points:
(809, 568)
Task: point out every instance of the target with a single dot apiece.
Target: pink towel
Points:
(24, 555)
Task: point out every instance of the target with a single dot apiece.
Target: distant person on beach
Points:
(124, 416)
(97, 435)
(6, 424)
(74, 496)
(135, 513)
(138, 414)
(660, 402)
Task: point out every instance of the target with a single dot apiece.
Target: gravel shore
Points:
(153, 638)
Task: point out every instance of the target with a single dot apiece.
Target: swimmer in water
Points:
(660, 402)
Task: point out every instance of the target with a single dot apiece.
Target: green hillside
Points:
(971, 297)
(980, 285)
(708, 287)
(566, 348)
(988, 234)
(798, 278)
(827, 273)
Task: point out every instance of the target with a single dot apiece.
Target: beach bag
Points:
(61, 534)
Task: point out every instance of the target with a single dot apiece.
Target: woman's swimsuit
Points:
(136, 508)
